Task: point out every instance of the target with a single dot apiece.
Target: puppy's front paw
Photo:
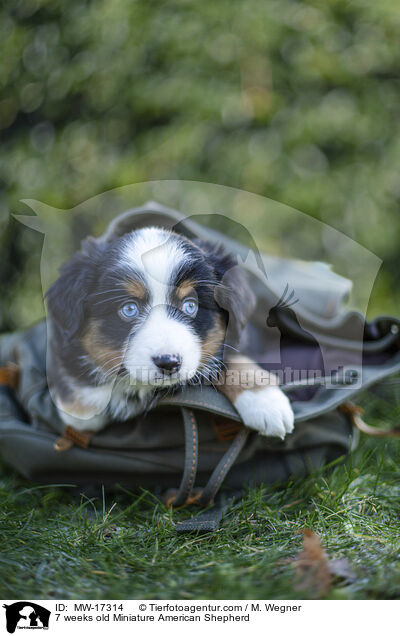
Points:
(267, 411)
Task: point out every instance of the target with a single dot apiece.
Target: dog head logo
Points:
(26, 615)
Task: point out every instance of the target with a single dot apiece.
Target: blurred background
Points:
(295, 101)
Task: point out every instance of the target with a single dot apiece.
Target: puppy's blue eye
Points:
(129, 310)
(190, 307)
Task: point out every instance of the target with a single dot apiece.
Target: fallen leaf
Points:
(315, 570)
(312, 566)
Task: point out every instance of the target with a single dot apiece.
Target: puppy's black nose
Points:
(168, 363)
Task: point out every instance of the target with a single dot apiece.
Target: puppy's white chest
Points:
(125, 403)
(106, 403)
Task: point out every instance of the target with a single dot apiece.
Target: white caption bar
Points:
(334, 618)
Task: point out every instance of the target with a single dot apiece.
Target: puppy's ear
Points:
(233, 292)
(66, 296)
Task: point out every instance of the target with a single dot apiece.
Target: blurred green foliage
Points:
(297, 101)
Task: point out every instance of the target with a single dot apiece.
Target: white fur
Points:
(113, 399)
(94, 400)
(267, 411)
(93, 423)
(161, 335)
(157, 254)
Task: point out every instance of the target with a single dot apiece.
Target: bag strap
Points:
(181, 497)
(223, 467)
(209, 520)
(354, 412)
(186, 494)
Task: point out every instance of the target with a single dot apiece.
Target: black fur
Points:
(66, 297)
(91, 287)
(232, 293)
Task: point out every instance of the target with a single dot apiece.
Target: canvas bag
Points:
(194, 437)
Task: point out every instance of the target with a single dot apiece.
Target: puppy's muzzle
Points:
(168, 364)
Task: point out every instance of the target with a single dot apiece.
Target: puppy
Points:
(144, 313)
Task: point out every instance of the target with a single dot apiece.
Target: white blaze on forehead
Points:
(156, 254)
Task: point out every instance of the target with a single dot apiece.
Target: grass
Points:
(57, 543)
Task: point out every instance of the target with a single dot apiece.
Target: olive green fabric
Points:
(147, 451)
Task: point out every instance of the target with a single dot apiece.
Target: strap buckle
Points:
(9, 375)
(72, 437)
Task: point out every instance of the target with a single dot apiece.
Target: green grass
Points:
(56, 543)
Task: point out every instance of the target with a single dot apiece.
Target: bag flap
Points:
(320, 291)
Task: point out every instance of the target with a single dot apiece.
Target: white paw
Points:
(267, 411)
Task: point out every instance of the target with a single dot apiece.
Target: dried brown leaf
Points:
(312, 566)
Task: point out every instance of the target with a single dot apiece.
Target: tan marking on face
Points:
(98, 350)
(214, 339)
(185, 289)
(135, 288)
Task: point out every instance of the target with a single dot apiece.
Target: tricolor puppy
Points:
(147, 312)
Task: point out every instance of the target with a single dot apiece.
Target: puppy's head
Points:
(152, 305)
